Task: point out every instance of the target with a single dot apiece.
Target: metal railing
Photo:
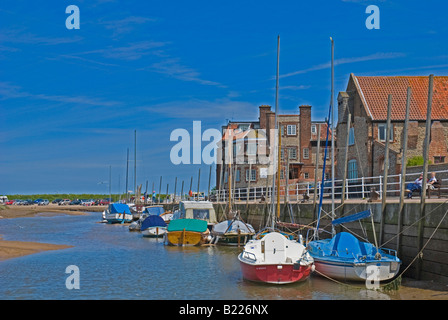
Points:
(355, 188)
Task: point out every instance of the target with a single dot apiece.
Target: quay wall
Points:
(434, 257)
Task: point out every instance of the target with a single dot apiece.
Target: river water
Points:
(117, 264)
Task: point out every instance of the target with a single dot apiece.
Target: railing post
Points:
(381, 187)
(346, 189)
(362, 186)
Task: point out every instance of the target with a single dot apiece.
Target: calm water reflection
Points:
(117, 264)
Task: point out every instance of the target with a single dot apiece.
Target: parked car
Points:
(37, 201)
(64, 202)
(56, 201)
(44, 202)
(27, 202)
(75, 202)
(104, 202)
(9, 202)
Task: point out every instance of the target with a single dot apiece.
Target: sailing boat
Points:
(275, 258)
(233, 231)
(343, 256)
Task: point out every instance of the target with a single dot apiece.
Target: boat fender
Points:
(313, 267)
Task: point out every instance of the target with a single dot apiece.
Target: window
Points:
(439, 159)
(313, 129)
(238, 175)
(253, 175)
(292, 153)
(352, 169)
(306, 153)
(243, 127)
(202, 214)
(306, 175)
(351, 136)
(291, 130)
(251, 148)
(382, 132)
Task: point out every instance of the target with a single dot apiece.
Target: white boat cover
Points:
(232, 226)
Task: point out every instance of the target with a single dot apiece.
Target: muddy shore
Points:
(14, 249)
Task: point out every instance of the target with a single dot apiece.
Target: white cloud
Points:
(375, 56)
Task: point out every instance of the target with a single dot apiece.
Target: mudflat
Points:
(8, 212)
(14, 249)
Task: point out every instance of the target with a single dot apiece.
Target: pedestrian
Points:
(432, 182)
(415, 186)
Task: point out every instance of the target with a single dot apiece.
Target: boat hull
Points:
(154, 232)
(185, 238)
(118, 218)
(349, 271)
(233, 239)
(275, 273)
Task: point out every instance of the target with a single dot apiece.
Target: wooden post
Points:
(248, 185)
(421, 223)
(160, 189)
(166, 195)
(175, 187)
(316, 170)
(209, 180)
(403, 170)
(199, 180)
(344, 179)
(386, 169)
(182, 190)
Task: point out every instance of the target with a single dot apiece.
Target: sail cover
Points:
(119, 208)
(152, 221)
(187, 224)
(156, 210)
(353, 217)
(232, 226)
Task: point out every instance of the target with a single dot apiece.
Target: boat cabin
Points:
(202, 210)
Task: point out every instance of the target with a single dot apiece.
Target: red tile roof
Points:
(374, 93)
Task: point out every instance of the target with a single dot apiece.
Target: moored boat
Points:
(275, 259)
(117, 213)
(232, 232)
(344, 257)
(153, 226)
(187, 232)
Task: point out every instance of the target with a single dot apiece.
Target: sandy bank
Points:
(14, 249)
(8, 212)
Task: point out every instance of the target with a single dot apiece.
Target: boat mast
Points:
(127, 170)
(333, 231)
(276, 131)
(135, 166)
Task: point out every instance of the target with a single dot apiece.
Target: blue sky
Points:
(70, 100)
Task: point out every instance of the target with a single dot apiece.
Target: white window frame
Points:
(306, 153)
(253, 176)
(382, 127)
(294, 151)
(290, 131)
(313, 129)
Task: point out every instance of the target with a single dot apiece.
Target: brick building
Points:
(299, 136)
(366, 99)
